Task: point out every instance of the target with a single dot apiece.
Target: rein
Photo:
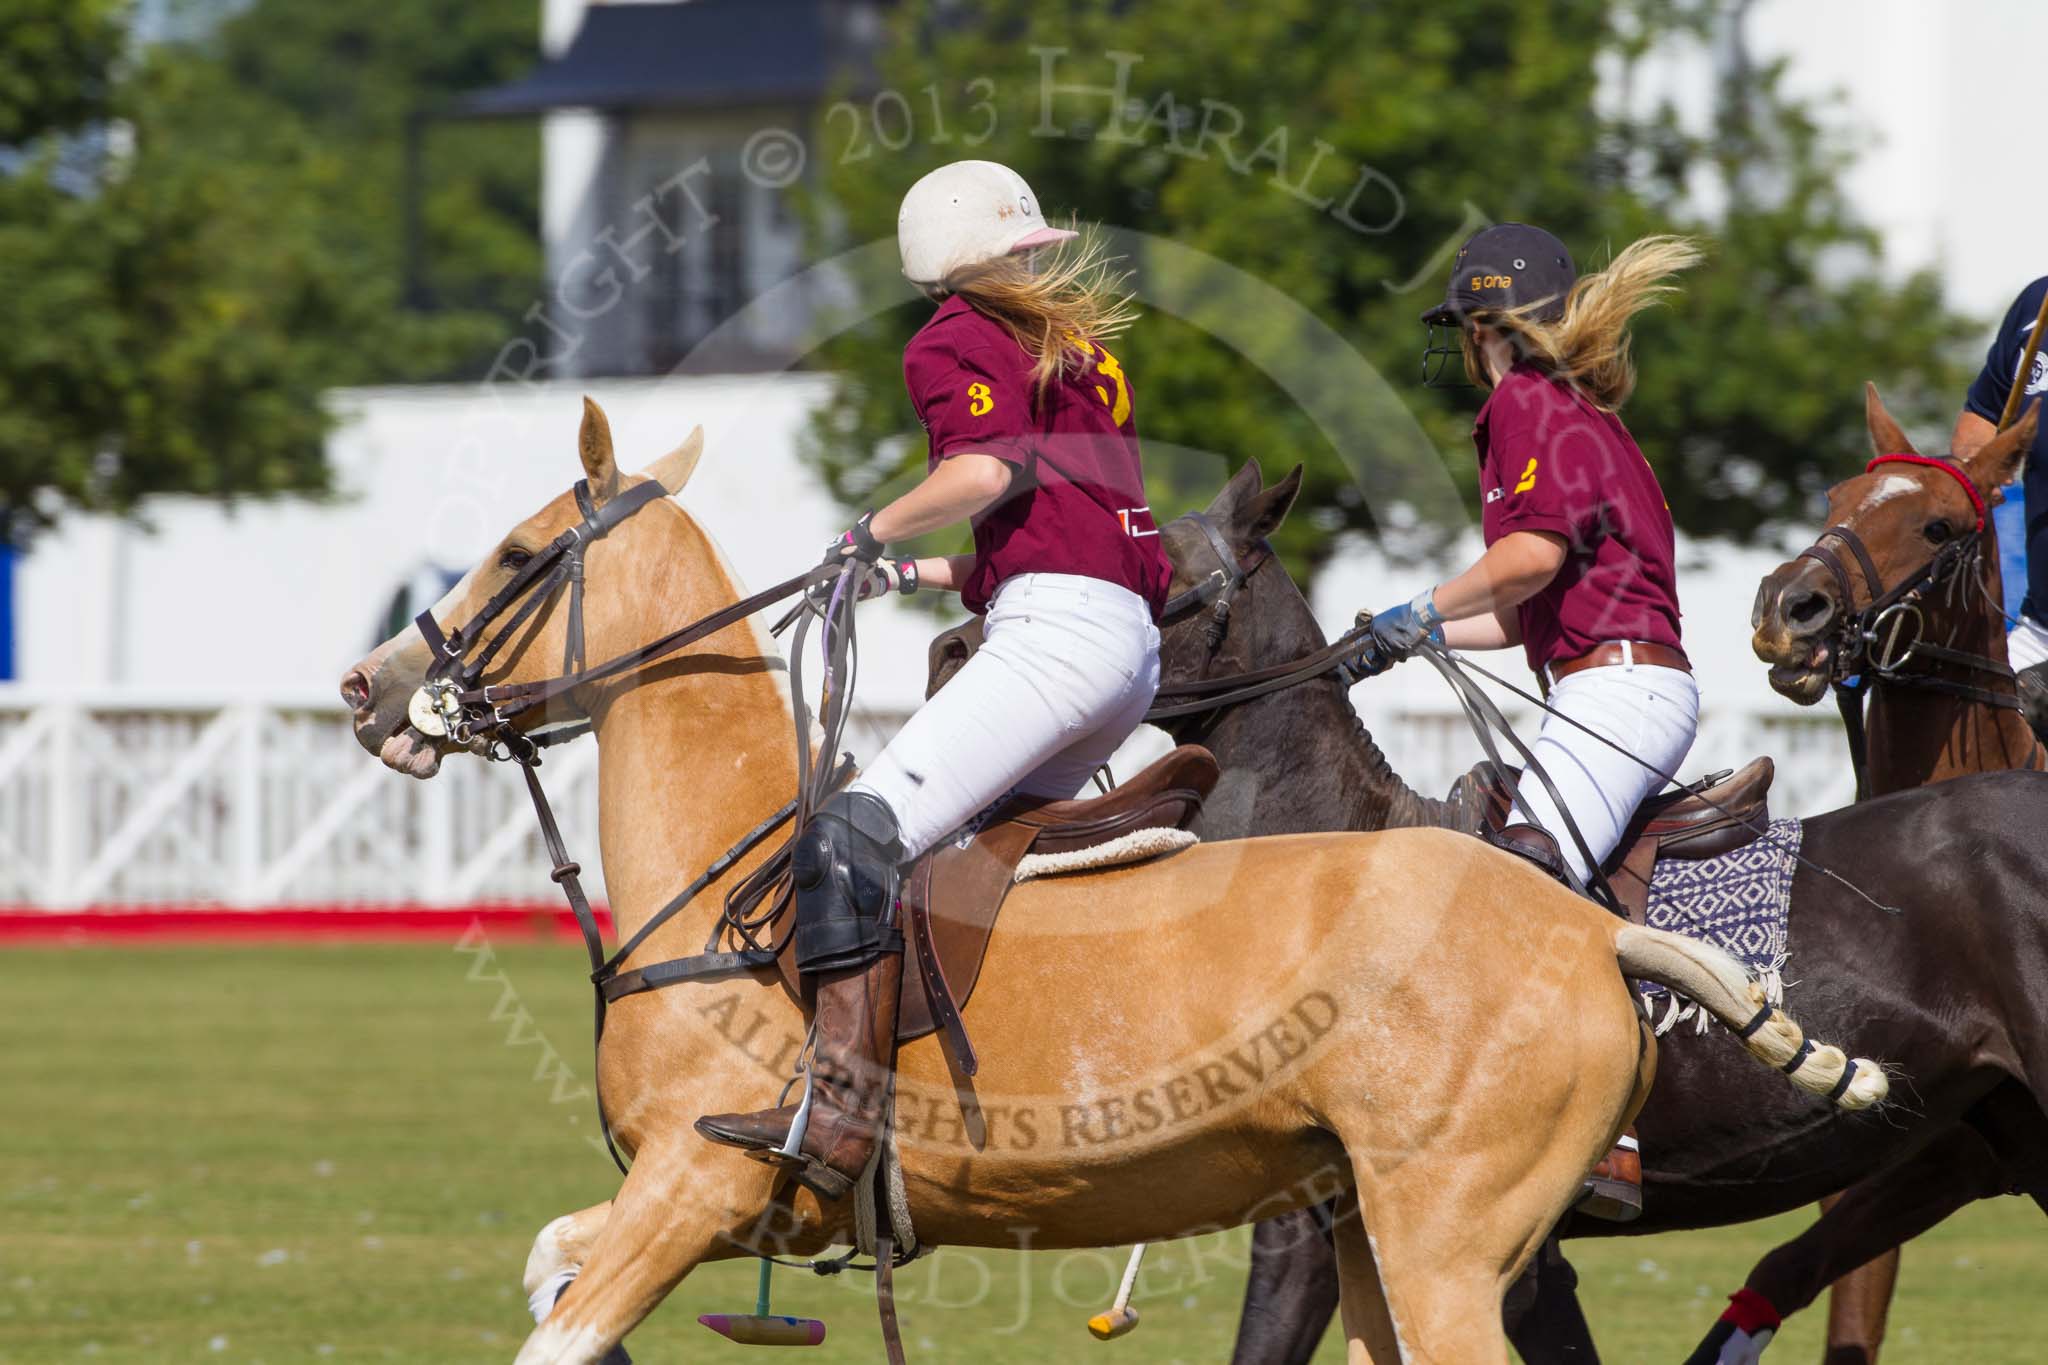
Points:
(453, 702)
(1874, 645)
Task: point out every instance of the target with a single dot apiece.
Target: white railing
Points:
(137, 801)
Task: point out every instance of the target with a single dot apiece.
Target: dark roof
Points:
(679, 55)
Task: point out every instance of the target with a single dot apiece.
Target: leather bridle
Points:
(1875, 642)
(454, 703)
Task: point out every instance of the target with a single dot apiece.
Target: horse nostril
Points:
(355, 689)
(1809, 610)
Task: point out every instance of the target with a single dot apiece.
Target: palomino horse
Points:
(1962, 1004)
(1436, 1024)
(1918, 731)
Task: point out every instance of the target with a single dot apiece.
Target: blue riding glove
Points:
(1398, 630)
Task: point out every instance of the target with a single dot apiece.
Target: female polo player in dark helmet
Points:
(1579, 566)
(1032, 438)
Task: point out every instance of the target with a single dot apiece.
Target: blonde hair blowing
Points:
(1076, 295)
(1589, 344)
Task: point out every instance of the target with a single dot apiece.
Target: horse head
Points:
(1220, 560)
(1896, 523)
(515, 605)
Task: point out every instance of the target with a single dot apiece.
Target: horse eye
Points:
(1937, 531)
(515, 559)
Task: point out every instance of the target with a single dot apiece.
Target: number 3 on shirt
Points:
(1106, 366)
(979, 400)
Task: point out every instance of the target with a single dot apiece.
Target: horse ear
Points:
(1268, 509)
(1243, 486)
(673, 470)
(1999, 460)
(594, 444)
(1886, 437)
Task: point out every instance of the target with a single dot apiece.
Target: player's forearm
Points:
(945, 572)
(1514, 569)
(1970, 435)
(1489, 630)
(962, 486)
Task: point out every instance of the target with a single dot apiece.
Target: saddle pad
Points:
(1134, 847)
(1737, 902)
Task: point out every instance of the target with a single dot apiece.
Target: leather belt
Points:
(1625, 652)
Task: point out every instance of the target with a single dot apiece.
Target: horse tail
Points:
(1725, 988)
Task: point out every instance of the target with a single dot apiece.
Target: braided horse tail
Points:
(1725, 988)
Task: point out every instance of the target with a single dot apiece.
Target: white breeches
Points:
(1652, 713)
(2026, 644)
(1067, 672)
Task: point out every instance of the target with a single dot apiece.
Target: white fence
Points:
(134, 801)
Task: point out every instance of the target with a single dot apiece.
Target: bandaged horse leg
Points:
(1870, 1218)
(558, 1254)
(846, 873)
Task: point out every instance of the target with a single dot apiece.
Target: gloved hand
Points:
(1398, 630)
(890, 575)
(857, 543)
(877, 580)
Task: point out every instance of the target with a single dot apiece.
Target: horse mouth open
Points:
(377, 699)
(1800, 669)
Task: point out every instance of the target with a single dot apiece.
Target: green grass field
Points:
(309, 1154)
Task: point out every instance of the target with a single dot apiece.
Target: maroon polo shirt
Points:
(1076, 501)
(1550, 460)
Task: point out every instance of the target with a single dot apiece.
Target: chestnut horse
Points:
(1964, 1008)
(1437, 1026)
(1902, 514)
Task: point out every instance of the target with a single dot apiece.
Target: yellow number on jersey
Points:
(1106, 366)
(979, 399)
(1528, 479)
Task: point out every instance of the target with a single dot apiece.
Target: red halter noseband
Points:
(1948, 467)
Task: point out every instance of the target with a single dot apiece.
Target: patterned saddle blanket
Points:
(1738, 902)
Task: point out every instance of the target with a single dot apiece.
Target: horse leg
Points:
(680, 1205)
(1292, 1290)
(558, 1255)
(1369, 1335)
(1858, 1306)
(1868, 1219)
(1542, 1313)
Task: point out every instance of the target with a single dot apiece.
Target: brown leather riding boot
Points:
(1614, 1190)
(1536, 845)
(850, 1069)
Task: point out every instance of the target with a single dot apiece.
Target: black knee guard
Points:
(846, 868)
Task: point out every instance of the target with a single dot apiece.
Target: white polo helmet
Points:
(967, 213)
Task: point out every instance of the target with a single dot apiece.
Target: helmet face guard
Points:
(1443, 357)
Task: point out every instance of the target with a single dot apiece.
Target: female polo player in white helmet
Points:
(1032, 438)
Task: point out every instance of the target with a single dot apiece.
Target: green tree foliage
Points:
(218, 241)
(1337, 153)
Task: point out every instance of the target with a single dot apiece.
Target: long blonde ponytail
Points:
(1589, 343)
(1076, 294)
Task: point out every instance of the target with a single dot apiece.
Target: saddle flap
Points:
(1707, 822)
(952, 897)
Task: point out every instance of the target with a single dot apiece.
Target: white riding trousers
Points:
(1066, 673)
(2026, 644)
(1651, 712)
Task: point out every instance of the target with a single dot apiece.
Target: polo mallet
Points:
(2026, 370)
(1121, 1317)
(762, 1328)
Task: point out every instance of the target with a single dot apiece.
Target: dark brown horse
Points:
(1961, 1005)
(1927, 721)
